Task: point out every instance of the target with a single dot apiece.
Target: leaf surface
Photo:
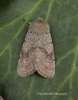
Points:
(62, 16)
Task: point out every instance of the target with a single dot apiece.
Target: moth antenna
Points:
(26, 21)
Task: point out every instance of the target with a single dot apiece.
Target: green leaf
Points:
(62, 16)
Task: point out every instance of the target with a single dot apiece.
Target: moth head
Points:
(40, 20)
(39, 25)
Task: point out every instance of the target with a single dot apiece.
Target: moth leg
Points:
(26, 22)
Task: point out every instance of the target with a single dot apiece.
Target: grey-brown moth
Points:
(37, 53)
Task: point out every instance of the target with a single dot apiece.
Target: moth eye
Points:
(46, 33)
(30, 31)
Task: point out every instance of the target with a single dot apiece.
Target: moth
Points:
(37, 53)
